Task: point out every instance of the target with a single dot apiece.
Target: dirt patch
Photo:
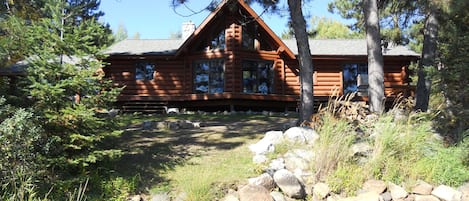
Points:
(149, 153)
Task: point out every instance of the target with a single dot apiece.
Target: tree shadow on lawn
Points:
(150, 153)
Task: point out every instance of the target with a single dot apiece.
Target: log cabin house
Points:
(234, 61)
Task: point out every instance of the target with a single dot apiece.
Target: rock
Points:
(422, 188)
(447, 193)
(276, 164)
(135, 198)
(230, 197)
(361, 149)
(386, 196)
(293, 162)
(426, 198)
(160, 197)
(306, 177)
(304, 154)
(262, 147)
(273, 136)
(182, 196)
(259, 158)
(277, 196)
(368, 196)
(321, 191)
(252, 192)
(148, 125)
(264, 180)
(301, 135)
(289, 184)
(397, 192)
(373, 185)
(464, 189)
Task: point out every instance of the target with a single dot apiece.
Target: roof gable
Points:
(231, 8)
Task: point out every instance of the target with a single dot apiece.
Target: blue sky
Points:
(155, 19)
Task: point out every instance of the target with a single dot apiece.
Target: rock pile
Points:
(289, 177)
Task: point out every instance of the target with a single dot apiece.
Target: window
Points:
(144, 71)
(254, 39)
(257, 77)
(209, 76)
(215, 43)
(355, 78)
(219, 41)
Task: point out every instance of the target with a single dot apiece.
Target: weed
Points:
(333, 146)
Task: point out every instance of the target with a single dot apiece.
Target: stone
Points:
(368, 196)
(426, 198)
(321, 190)
(464, 189)
(148, 125)
(306, 177)
(252, 192)
(259, 158)
(136, 198)
(289, 184)
(160, 197)
(386, 196)
(275, 137)
(276, 164)
(301, 135)
(373, 185)
(262, 147)
(397, 192)
(264, 180)
(230, 197)
(277, 196)
(293, 162)
(361, 149)
(447, 193)
(422, 188)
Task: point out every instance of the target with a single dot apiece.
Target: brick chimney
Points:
(187, 29)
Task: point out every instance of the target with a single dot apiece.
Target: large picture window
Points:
(258, 77)
(144, 71)
(209, 76)
(355, 78)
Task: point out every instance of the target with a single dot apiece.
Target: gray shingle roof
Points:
(347, 47)
(145, 47)
(332, 47)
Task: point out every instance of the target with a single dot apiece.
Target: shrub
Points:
(20, 160)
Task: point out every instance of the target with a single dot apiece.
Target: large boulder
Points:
(373, 185)
(321, 191)
(397, 192)
(301, 135)
(264, 180)
(275, 137)
(464, 189)
(252, 192)
(422, 188)
(262, 147)
(289, 184)
(447, 193)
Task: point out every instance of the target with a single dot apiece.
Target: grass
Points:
(201, 175)
(200, 163)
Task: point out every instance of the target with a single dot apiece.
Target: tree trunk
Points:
(375, 57)
(430, 34)
(304, 58)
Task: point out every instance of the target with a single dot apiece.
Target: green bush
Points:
(20, 147)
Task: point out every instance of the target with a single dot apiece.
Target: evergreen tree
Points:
(64, 86)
